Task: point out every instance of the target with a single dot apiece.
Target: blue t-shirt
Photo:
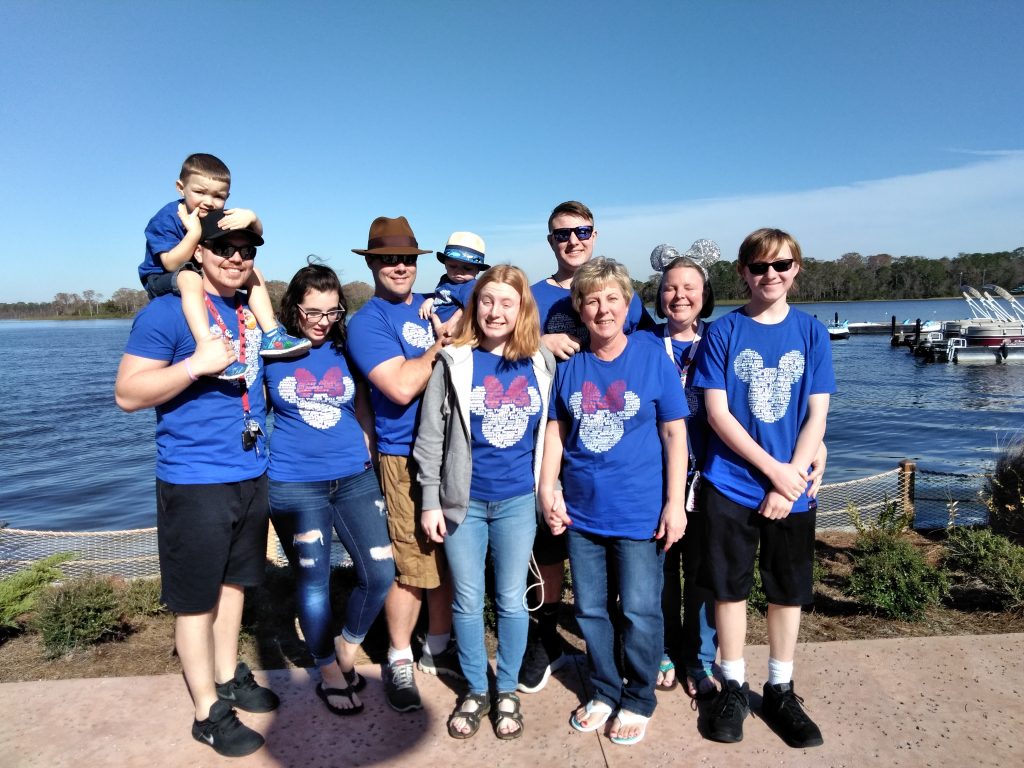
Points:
(504, 408)
(316, 436)
(697, 421)
(558, 316)
(199, 432)
(612, 465)
(163, 233)
(378, 332)
(768, 373)
(450, 297)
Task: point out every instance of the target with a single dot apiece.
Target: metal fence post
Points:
(908, 471)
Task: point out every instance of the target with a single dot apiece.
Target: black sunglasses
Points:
(391, 259)
(761, 267)
(562, 234)
(227, 251)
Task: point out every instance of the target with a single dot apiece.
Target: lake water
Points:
(71, 460)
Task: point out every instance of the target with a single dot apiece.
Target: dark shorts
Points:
(732, 535)
(167, 282)
(209, 535)
(549, 549)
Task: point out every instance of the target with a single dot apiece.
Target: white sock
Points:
(779, 672)
(396, 654)
(437, 643)
(734, 670)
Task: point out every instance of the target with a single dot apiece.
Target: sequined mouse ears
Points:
(703, 253)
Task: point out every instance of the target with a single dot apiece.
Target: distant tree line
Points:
(853, 277)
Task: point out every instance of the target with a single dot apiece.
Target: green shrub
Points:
(890, 576)
(78, 613)
(993, 559)
(1006, 493)
(20, 591)
(141, 597)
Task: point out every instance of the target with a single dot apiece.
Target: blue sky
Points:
(868, 126)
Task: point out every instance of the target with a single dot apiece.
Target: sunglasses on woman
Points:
(761, 267)
(562, 234)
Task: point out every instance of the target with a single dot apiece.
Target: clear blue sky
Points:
(865, 126)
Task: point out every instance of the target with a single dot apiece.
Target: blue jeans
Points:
(303, 514)
(637, 567)
(509, 527)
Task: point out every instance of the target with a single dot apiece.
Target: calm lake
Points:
(71, 460)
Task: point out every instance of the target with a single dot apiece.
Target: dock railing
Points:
(927, 495)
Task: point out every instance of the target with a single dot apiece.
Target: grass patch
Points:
(20, 591)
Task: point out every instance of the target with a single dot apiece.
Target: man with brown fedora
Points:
(395, 349)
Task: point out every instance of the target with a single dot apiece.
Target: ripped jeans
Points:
(303, 514)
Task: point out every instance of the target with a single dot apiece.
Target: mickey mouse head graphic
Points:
(417, 335)
(601, 416)
(770, 388)
(319, 402)
(505, 412)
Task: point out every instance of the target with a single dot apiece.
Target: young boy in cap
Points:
(172, 235)
(463, 260)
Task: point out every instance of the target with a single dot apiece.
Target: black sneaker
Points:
(728, 710)
(444, 663)
(537, 667)
(782, 710)
(400, 686)
(245, 693)
(223, 731)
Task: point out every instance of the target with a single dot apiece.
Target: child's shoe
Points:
(233, 372)
(277, 343)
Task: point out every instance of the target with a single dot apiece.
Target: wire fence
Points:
(929, 496)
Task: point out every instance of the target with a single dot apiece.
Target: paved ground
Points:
(943, 701)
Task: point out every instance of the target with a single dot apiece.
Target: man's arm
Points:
(402, 379)
(561, 345)
(143, 382)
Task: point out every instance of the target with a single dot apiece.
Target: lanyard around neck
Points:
(685, 367)
(241, 344)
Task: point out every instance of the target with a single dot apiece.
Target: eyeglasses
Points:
(761, 267)
(562, 234)
(391, 259)
(227, 251)
(315, 315)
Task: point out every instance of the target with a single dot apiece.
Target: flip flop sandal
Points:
(344, 693)
(515, 714)
(625, 717)
(472, 718)
(666, 665)
(355, 681)
(597, 714)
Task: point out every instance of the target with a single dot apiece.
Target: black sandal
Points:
(345, 693)
(356, 682)
(515, 715)
(472, 718)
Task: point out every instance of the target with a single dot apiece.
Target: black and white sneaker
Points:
(245, 693)
(400, 686)
(783, 710)
(537, 667)
(223, 731)
(728, 711)
(444, 663)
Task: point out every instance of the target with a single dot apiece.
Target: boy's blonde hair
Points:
(201, 164)
(596, 274)
(525, 339)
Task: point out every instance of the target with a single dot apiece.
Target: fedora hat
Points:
(465, 247)
(390, 236)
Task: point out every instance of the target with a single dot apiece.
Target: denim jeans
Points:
(509, 527)
(303, 514)
(636, 568)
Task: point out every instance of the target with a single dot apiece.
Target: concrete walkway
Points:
(942, 701)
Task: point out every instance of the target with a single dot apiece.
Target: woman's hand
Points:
(817, 471)
(552, 504)
(672, 525)
(432, 523)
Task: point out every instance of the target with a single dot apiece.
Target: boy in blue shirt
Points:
(766, 370)
(172, 235)
(463, 260)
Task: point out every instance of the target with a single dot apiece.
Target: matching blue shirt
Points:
(450, 297)
(768, 373)
(613, 464)
(163, 232)
(379, 331)
(504, 407)
(316, 436)
(199, 432)
(558, 316)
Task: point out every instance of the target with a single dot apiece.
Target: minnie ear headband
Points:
(703, 253)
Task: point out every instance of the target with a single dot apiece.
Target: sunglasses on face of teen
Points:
(392, 259)
(562, 234)
(315, 315)
(761, 267)
(227, 251)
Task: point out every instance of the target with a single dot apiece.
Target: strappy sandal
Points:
(472, 718)
(356, 682)
(515, 715)
(664, 668)
(344, 693)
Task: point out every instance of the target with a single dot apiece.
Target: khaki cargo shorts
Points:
(418, 561)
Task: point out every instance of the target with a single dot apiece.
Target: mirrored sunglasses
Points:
(562, 234)
(761, 267)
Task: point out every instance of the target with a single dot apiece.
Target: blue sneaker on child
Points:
(278, 343)
(233, 372)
